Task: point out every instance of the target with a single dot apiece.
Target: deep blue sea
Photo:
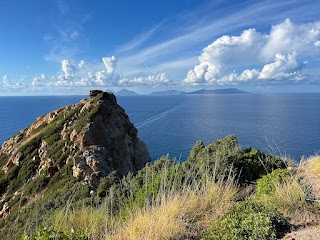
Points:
(283, 124)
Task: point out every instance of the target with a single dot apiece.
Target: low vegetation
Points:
(220, 192)
(248, 220)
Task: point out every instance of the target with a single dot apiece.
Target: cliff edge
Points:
(86, 141)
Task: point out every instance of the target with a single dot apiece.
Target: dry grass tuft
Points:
(91, 220)
(162, 222)
(309, 171)
(311, 166)
(179, 216)
(298, 197)
(292, 199)
(172, 212)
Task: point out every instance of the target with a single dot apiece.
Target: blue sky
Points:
(68, 46)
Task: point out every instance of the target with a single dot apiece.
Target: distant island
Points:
(125, 92)
(219, 91)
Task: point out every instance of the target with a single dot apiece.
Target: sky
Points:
(56, 47)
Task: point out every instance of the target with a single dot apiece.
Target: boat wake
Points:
(156, 117)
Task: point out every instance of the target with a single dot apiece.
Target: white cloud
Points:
(248, 75)
(283, 67)
(287, 37)
(84, 76)
(279, 55)
(198, 27)
(153, 80)
(81, 64)
(6, 81)
(232, 49)
(8, 85)
(104, 74)
(68, 69)
(317, 43)
(225, 52)
(139, 40)
(110, 63)
(36, 80)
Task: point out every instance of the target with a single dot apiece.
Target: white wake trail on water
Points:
(156, 117)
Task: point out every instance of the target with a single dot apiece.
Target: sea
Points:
(279, 124)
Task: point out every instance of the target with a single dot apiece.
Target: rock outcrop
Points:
(95, 136)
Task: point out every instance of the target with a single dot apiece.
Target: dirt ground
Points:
(311, 233)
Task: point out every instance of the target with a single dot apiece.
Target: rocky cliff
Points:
(88, 140)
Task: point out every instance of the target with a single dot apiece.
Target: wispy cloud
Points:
(251, 14)
(138, 41)
(66, 40)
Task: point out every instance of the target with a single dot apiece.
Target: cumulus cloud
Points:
(283, 67)
(279, 55)
(110, 63)
(36, 81)
(288, 37)
(105, 74)
(159, 79)
(68, 69)
(7, 83)
(85, 75)
(81, 64)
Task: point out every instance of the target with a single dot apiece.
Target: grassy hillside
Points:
(220, 192)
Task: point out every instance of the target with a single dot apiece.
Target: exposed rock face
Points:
(95, 135)
(5, 210)
(109, 142)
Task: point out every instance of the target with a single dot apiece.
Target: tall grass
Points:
(296, 195)
(311, 166)
(170, 200)
(178, 215)
(171, 206)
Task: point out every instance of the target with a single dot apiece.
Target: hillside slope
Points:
(77, 144)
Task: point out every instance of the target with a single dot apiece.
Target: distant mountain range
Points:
(125, 92)
(201, 91)
(219, 91)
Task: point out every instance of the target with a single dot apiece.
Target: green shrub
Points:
(225, 156)
(106, 183)
(267, 184)
(84, 118)
(3, 184)
(247, 220)
(36, 185)
(217, 158)
(30, 147)
(254, 164)
(287, 193)
(3, 160)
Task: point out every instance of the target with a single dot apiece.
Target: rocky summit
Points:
(87, 141)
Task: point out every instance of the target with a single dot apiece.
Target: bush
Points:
(106, 183)
(217, 158)
(3, 160)
(248, 220)
(267, 184)
(288, 194)
(225, 156)
(254, 164)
